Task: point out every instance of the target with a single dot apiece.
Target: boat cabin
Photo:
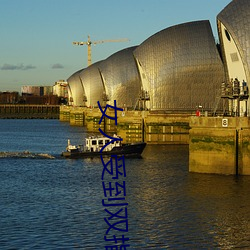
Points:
(95, 144)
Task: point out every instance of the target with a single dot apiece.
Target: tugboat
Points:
(94, 145)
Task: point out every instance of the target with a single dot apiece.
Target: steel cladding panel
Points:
(93, 85)
(76, 89)
(121, 78)
(236, 18)
(182, 66)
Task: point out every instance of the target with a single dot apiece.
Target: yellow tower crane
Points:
(89, 43)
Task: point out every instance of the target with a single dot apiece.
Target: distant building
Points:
(40, 100)
(39, 95)
(47, 90)
(37, 90)
(60, 89)
(9, 97)
(30, 90)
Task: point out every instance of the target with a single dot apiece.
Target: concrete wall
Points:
(216, 145)
(167, 129)
(64, 113)
(132, 126)
(219, 145)
(24, 111)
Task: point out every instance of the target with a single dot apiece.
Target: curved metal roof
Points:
(181, 67)
(92, 84)
(236, 18)
(121, 78)
(75, 88)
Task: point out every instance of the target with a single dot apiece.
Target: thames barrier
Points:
(218, 145)
(172, 76)
(133, 126)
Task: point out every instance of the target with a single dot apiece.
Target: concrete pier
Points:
(219, 145)
(216, 145)
(64, 113)
(132, 126)
(166, 128)
(25, 111)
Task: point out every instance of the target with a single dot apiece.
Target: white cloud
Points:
(57, 66)
(21, 66)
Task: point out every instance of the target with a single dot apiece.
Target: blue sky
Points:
(36, 35)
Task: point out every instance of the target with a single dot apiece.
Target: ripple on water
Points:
(56, 204)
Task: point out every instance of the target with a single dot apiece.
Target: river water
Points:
(53, 203)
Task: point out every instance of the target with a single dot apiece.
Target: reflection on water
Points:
(176, 209)
(56, 204)
(223, 202)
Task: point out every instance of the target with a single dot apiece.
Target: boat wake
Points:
(26, 154)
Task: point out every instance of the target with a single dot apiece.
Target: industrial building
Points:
(37, 90)
(9, 97)
(60, 89)
(178, 69)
